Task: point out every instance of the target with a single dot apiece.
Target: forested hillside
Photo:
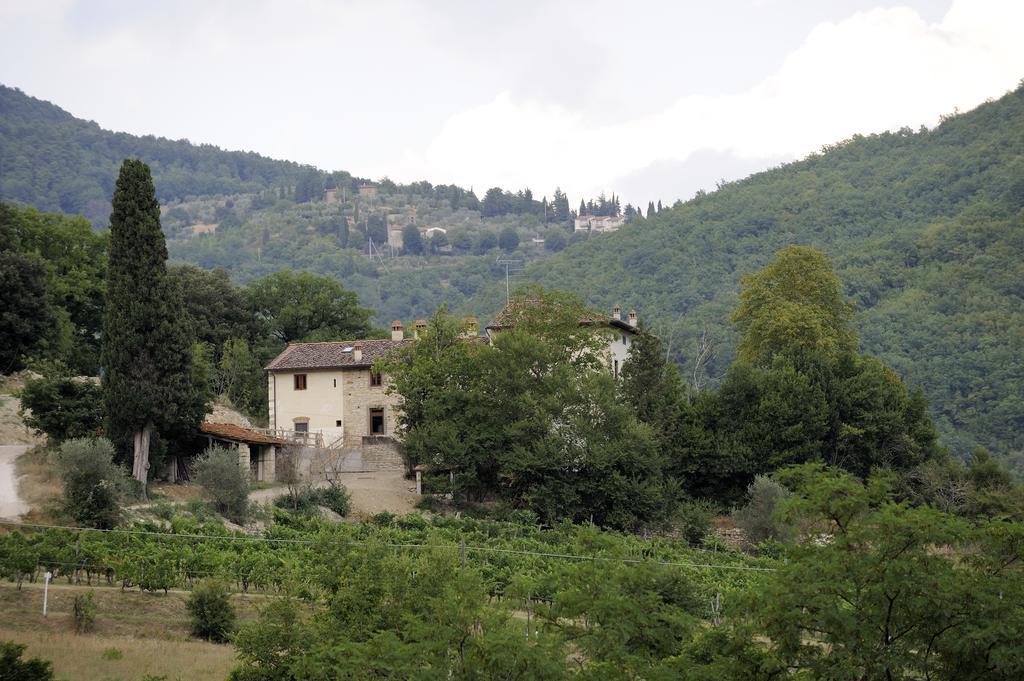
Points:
(54, 161)
(927, 233)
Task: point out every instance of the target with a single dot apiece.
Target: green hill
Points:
(54, 161)
(927, 233)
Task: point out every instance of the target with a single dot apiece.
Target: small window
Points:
(302, 427)
(377, 421)
(300, 381)
(335, 383)
(375, 378)
(337, 423)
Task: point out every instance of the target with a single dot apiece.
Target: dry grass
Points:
(92, 657)
(38, 485)
(151, 632)
(176, 493)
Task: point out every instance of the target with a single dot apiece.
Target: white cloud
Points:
(875, 70)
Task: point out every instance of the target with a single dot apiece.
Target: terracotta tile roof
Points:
(511, 313)
(230, 431)
(333, 354)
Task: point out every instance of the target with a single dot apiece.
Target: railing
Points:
(304, 438)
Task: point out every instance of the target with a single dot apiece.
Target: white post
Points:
(46, 591)
(419, 482)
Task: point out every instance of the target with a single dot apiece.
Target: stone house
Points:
(598, 223)
(330, 389)
(622, 332)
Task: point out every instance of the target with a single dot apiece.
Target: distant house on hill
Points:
(367, 191)
(599, 223)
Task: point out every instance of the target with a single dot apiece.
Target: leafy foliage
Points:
(14, 668)
(925, 232)
(301, 306)
(532, 418)
(147, 379)
(93, 484)
(62, 407)
(217, 471)
(213, 617)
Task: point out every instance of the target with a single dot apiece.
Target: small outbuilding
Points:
(256, 451)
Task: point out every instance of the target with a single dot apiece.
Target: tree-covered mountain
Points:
(54, 161)
(926, 230)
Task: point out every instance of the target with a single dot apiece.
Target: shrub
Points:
(93, 484)
(14, 668)
(112, 654)
(84, 612)
(306, 499)
(218, 472)
(213, 618)
(692, 518)
(336, 498)
(758, 519)
(62, 407)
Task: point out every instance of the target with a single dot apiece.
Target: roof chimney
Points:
(357, 352)
(632, 318)
(470, 325)
(421, 326)
(617, 312)
(396, 330)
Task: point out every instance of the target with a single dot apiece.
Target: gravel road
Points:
(10, 505)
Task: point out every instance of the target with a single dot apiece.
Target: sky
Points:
(649, 100)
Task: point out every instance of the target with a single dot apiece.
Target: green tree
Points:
(793, 307)
(62, 407)
(486, 241)
(94, 485)
(533, 419)
(25, 314)
(242, 378)
(302, 306)
(508, 239)
(213, 617)
(876, 600)
(653, 388)
(146, 355)
(215, 309)
(555, 241)
(225, 480)
(412, 240)
(14, 668)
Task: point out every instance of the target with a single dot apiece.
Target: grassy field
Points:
(136, 634)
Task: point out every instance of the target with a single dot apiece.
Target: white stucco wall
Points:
(322, 402)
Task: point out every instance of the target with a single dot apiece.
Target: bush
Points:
(94, 485)
(692, 519)
(213, 618)
(758, 519)
(14, 668)
(336, 498)
(307, 500)
(218, 472)
(84, 612)
(62, 407)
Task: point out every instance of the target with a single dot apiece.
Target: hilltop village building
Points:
(330, 392)
(599, 223)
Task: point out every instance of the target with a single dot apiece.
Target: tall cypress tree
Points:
(146, 350)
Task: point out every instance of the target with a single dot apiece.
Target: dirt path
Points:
(371, 493)
(11, 506)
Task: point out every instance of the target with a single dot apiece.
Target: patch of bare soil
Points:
(12, 430)
(225, 413)
(372, 493)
